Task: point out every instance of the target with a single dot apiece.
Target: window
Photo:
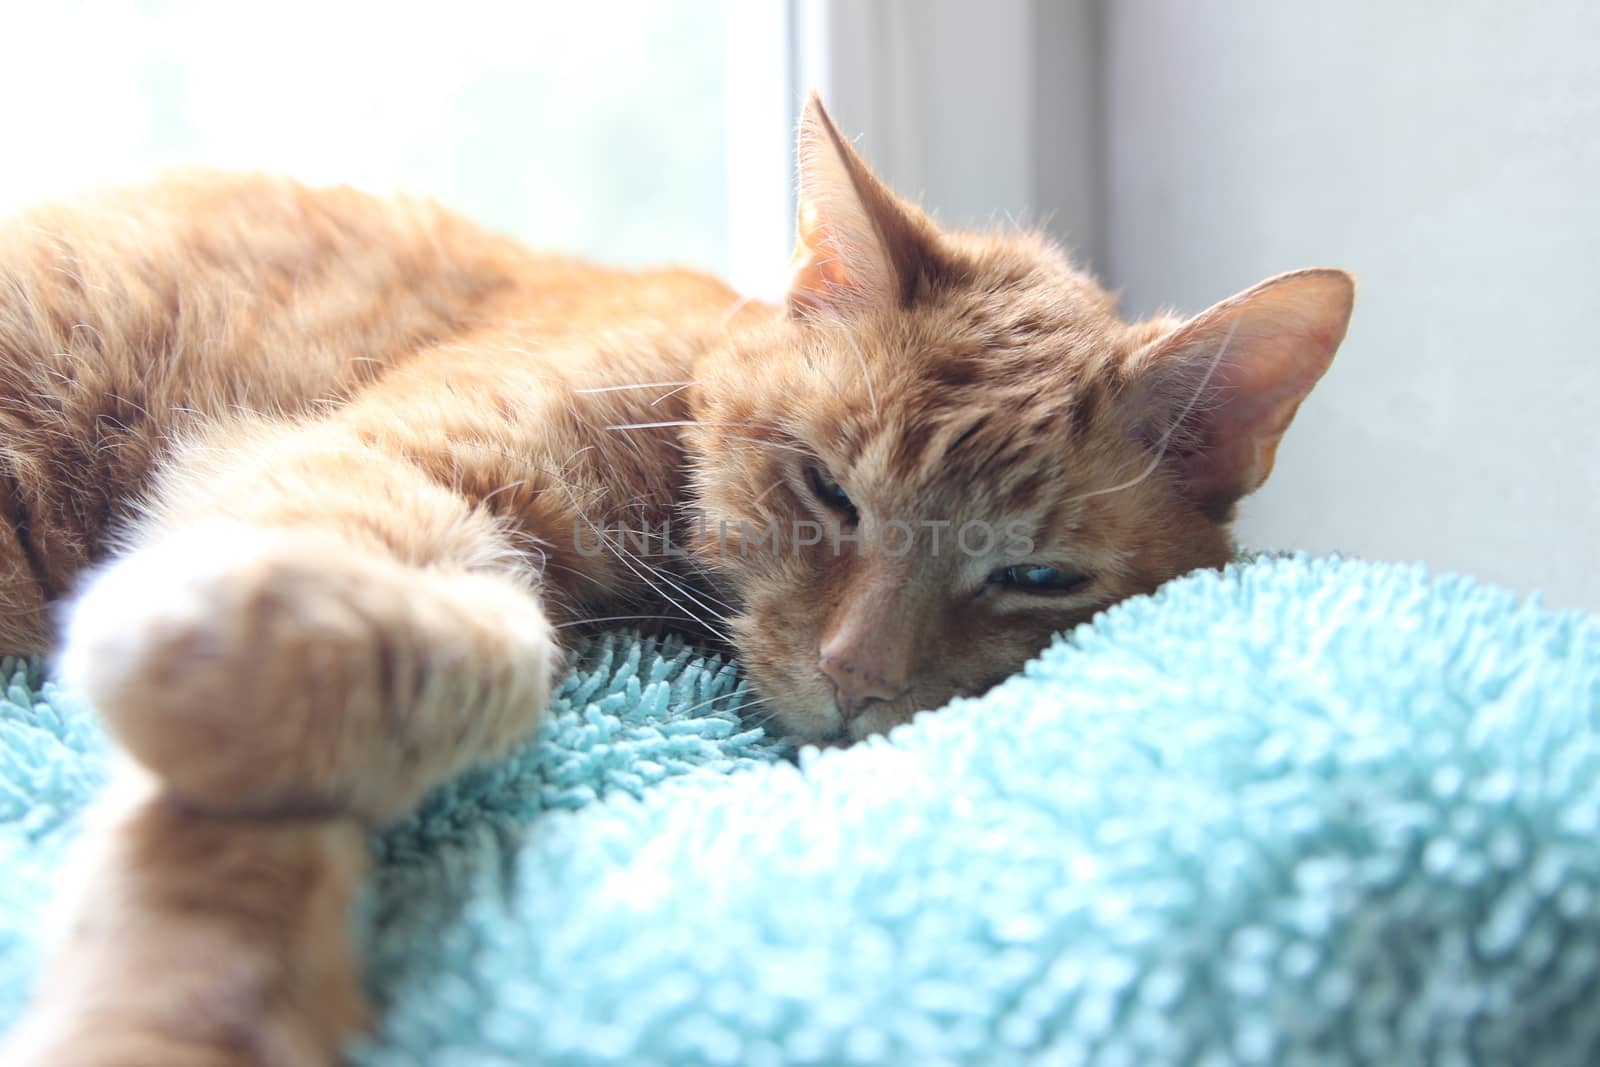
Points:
(601, 129)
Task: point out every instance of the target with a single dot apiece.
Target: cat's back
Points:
(252, 288)
(128, 317)
(211, 291)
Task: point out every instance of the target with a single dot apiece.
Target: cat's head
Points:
(950, 448)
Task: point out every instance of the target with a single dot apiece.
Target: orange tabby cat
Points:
(346, 467)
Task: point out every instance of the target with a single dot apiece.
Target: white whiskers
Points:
(635, 385)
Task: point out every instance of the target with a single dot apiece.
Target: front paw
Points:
(287, 672)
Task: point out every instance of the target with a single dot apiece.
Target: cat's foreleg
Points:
(197, 941)
(332, 633)
(305, 641)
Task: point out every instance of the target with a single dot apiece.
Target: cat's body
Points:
(228, 313)
(355, 464)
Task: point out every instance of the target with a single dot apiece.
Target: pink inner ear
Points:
(1239, 437)
(858, 245)
(1279, 338)
(817, 268)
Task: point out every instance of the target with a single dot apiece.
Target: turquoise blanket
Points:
(1303, 812)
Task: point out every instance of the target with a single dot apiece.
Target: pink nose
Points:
(859, 678)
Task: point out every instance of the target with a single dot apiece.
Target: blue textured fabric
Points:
(1307, 811)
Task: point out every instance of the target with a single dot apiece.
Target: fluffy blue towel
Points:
(1302, 812)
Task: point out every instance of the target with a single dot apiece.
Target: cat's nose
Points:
(859, 677)
(870, 642)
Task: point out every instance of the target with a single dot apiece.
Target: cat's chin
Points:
(825, 727)
(820, 726)
(876, 721)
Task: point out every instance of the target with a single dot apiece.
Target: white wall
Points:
(1449, 154)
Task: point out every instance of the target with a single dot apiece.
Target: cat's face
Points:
(952, 449)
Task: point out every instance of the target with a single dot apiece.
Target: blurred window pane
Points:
(597, 128)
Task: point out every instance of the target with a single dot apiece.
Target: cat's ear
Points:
(856, 244)
(1215, 395)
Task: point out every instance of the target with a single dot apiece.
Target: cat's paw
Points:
(287, 672)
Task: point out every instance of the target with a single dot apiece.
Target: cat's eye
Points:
(1032, 578)
(828, 491)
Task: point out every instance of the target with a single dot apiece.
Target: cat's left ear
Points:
(1216, 394)
(857, 245)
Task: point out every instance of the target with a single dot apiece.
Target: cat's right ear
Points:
(856, 244)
